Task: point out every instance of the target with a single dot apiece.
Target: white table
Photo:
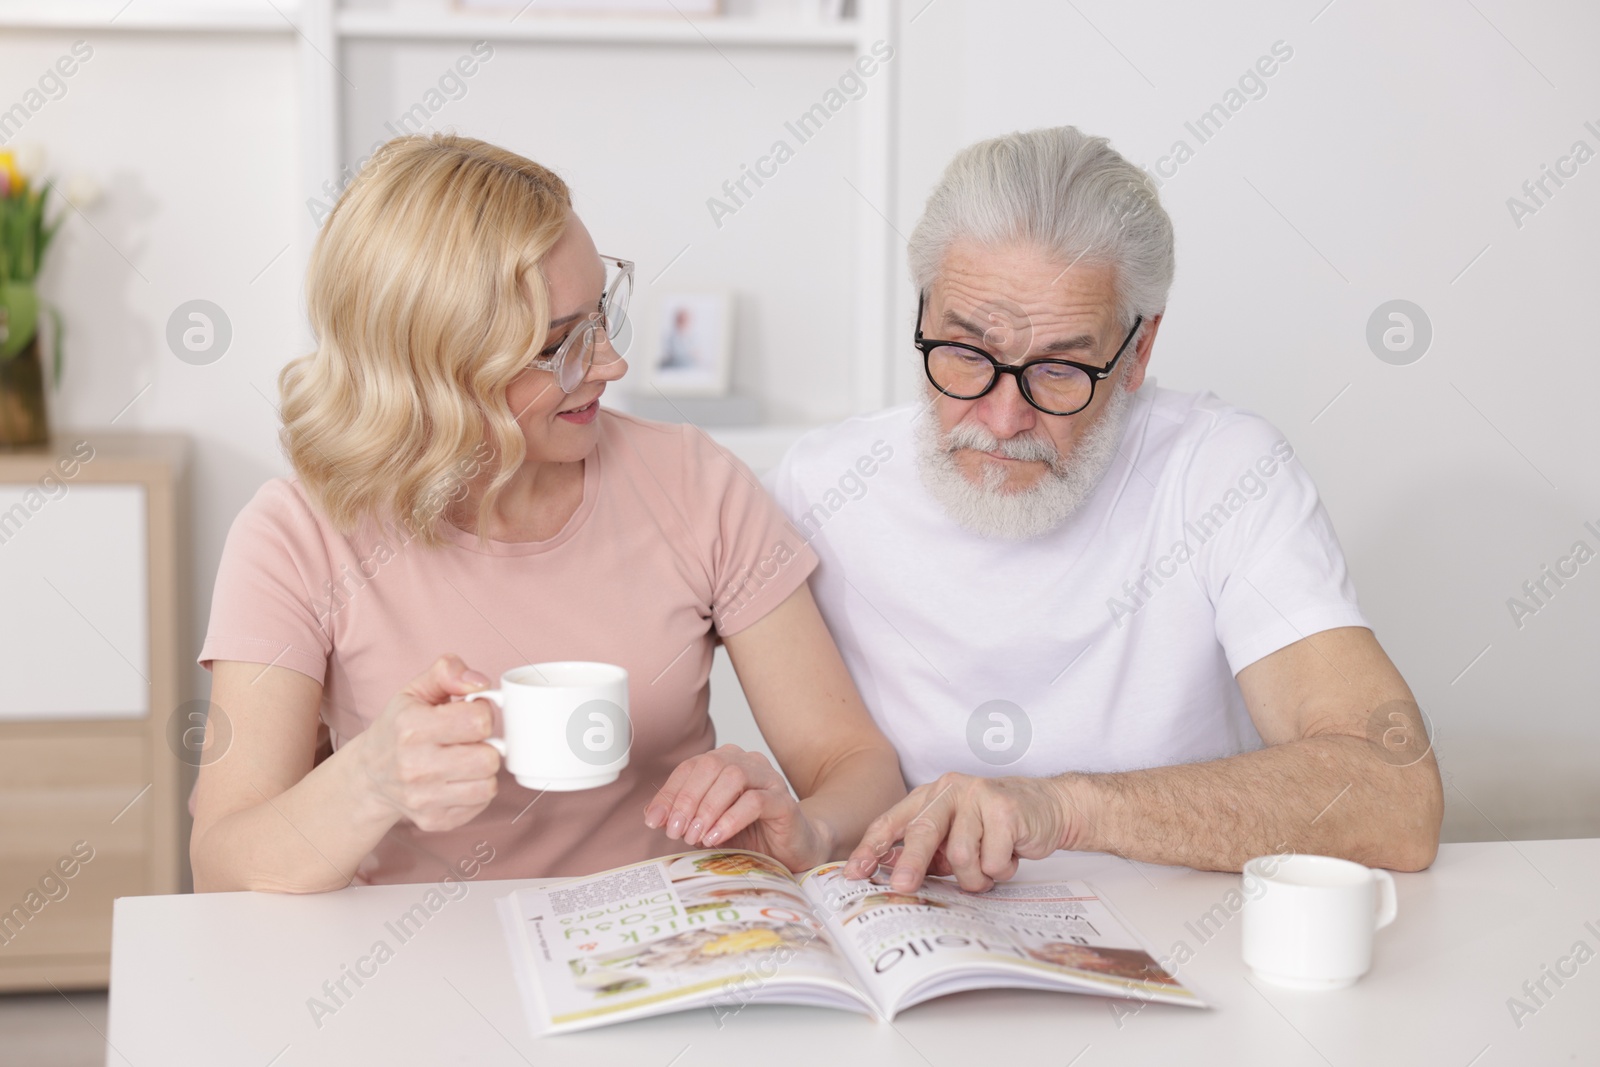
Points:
(225, 979)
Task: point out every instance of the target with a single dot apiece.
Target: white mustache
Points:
(1033, 449)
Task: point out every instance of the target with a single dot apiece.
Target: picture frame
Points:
(690, 345)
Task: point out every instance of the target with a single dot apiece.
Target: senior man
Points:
(1092, 613)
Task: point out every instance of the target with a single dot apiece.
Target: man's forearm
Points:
(1331, 795)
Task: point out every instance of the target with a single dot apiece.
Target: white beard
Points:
(989, 510)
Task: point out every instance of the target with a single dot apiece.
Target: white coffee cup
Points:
(566, 724)
(1309, 920)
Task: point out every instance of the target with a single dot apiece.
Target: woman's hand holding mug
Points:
(424, 757)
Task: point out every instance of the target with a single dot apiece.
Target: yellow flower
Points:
(14, 177)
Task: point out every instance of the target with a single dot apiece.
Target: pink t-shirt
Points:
(674, 546)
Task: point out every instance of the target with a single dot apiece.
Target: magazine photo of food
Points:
(731, 864)
(724, 928)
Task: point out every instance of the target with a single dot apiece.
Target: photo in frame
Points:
(693, 336)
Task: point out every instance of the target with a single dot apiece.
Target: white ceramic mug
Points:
(1309, 920)
(566, 724)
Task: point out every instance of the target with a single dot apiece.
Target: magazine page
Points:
(910, 947)
(716, 929)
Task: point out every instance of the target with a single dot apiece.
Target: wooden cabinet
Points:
(92, 788)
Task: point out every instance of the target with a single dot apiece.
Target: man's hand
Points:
(738, 799)
(974, 828)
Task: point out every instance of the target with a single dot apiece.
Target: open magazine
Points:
(724, 928)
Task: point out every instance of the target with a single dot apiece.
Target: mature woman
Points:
(460, 490)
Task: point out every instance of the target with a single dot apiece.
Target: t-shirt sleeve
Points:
(1272, 564)
(786, 483)
(262, 606)
(760, 558)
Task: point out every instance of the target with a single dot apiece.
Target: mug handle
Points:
(498, 698)
(1388, 900)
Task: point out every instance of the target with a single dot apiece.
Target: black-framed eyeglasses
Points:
(571, 359)
(1054, 386)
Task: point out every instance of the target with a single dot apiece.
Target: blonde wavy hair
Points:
(426, 299)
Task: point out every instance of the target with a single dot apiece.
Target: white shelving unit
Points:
(320, 30)
(733, 29)
(135, 16)
(328, 27)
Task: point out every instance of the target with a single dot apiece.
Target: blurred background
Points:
(1386, 221)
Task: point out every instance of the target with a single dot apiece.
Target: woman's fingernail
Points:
(473, 678)
(654, 815)
(694, 831)
(713, 837)
(675, 827)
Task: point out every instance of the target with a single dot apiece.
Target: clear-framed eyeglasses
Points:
(601, 337)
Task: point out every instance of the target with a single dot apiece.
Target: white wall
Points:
(1390, 141)
(194, 143)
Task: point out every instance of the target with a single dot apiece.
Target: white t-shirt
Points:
(1110, 642)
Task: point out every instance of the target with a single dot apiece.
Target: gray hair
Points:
(1072, 195)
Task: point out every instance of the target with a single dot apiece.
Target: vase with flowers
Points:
(25, 235)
